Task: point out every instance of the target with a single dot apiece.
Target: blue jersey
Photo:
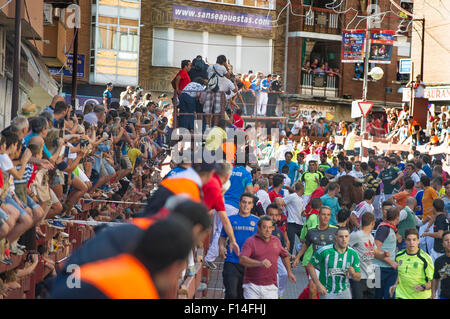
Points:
(255, 87)
(293, 167)
(332, 171)
(240, 178)
(108, 96)
(265, 86)
(427, 170)
(243, 228)
(419, 197)
(174, 171)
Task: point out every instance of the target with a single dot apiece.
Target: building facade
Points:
(317, 34)
(36, 84)
(435, 56)
(245, 31)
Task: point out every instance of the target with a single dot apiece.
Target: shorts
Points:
(125, 162)
(82, 176)
(106, 169)
(252, 291)
(55, 198)
(30, 203)
(57, 180)
(10, 200)
(3, 215)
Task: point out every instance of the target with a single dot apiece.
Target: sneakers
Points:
(78, 208)
(211, 265)
(65, 235)
(67, 217)
(56, 224)
(125, 179)
(7, 261)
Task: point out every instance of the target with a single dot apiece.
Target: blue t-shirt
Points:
(293, 167)
(253, 86)
(401, 166)
(419, 197)
(243, 228)
(333, 203)
(108, 96)
(427, 170)
(447, 204)
(27, 139)
(332, 171)
(265, 85)
(240, 178)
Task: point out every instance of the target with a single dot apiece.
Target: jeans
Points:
(292, 230)
(233, 278)
(360, 290)
(388, 278)
(188, 104)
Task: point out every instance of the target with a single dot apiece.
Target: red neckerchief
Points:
(312, 212)
(1, 179)
(33, 176)
(388, 225)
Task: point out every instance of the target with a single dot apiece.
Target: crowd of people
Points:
(373, 227)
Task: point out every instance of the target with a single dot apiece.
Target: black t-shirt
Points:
(441, 223)
(279, 234)
(275, 86)
(442, 272)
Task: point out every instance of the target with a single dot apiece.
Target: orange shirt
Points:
(429, 195)
(400, 198)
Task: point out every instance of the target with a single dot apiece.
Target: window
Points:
(171, 46)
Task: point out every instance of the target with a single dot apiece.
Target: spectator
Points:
(441, 270)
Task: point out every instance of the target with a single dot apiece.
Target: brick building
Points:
(172, 31)
(316, 33)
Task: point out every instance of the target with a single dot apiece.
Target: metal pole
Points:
(286, 42)
(364, 97)
(75, 69)
(16, 67)
(423, 49)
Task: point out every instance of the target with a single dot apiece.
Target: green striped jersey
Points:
(334, 267)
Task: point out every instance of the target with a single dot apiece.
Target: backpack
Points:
(213, 82)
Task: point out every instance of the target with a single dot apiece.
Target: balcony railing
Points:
(319, 85)
(321, 21)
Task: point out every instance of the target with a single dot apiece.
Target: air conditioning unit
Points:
(48, 14)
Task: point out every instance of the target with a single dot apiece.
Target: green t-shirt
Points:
(324, 167)
(310, 181)
(311, 222)
(334, 267)
(413, 270)
(387, 176)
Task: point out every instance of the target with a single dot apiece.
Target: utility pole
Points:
(16, 66)
(75, 69)
(364, 93)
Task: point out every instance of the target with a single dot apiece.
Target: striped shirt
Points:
(26, 175)
(334, 267)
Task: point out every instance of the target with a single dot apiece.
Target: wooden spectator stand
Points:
(420, 111)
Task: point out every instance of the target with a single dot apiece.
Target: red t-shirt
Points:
(318, 192)
(283, 224)
(185, 79)
(238, 122)
(256, 248)
(273, 195)
(212, 194)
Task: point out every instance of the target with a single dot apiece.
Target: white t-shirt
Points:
(294, 206)
(362, 208)
(264, 198)
(356, 174)
(350, 142)
(5, 163)
(124, 98)
(220, 69)
(287, 180)
(297, 127)
(419, 91)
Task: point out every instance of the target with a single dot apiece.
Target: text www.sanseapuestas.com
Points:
(221, 17)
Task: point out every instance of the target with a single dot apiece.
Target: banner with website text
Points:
(240, 19)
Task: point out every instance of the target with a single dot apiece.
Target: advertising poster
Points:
(381, 46)
(353, 45)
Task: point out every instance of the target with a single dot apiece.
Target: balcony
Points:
(319, 85)
(56, 35)
(321, 21)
